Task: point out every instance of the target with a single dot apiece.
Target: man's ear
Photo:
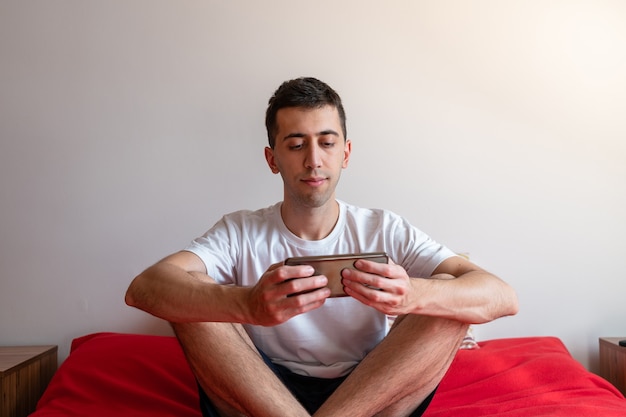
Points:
(346, 153)
(271, 162)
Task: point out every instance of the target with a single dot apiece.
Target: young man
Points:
(265, 339)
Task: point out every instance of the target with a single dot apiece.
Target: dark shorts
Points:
(311, 392)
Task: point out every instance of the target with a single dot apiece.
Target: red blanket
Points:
(121, 375)
(523, 377)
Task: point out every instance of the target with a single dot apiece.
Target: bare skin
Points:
(309, 154)
(207, 344)
(392, 388)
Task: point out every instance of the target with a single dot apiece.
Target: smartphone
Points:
(332, 265)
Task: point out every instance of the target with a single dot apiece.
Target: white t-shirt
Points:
(330, 341)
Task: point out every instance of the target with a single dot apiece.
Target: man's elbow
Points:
(513, 305)
(131, 298)
(510, 303)
(128, 298)
(505, 305)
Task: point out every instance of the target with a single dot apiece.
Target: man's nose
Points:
(313, 157)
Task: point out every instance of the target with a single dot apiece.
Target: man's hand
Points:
(385, 287)
(284, 292)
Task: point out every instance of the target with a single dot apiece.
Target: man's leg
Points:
(401, 372)
(232, 373)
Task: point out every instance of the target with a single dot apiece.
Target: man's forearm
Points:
(474, 297)
(173, 294)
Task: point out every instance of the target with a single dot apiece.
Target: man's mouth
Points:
(314, 181)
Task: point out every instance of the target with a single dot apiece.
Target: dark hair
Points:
(304, 92)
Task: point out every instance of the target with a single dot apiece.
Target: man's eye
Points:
(328, 144)
(295, 147)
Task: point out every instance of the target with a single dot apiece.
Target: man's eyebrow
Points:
(302, 135)
(294, 135)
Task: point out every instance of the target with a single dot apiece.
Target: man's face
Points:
(309, 153)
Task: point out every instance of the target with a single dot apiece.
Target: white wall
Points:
(128, 127)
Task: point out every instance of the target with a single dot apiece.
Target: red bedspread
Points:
(523, 377)
(120, 375)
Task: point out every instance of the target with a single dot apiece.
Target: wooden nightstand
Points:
(613, 362)
(24, 374)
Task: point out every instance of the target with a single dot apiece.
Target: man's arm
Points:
(461, 290)
(178, 289)
(457, 290)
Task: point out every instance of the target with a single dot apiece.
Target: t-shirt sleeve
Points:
(217, 248)
(417, 252)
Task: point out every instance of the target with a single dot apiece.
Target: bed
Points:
(113, 374)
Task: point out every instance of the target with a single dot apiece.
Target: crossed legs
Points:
(391, 381)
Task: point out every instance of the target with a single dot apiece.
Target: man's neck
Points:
(310, 223)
